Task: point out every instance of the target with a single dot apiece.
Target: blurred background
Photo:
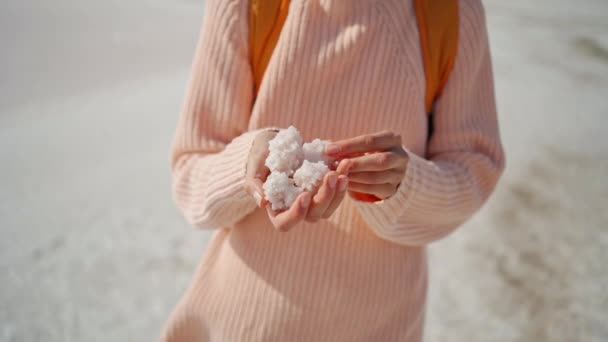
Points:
(92, 248)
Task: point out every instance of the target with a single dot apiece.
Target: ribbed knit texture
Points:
(340, 69)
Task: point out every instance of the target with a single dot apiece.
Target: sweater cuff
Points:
(382, 215)
(235, 158)
(210, 189)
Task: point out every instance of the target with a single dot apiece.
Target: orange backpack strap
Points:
(266, 18)
(438, 30)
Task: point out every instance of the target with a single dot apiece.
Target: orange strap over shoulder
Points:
(437, 27)
(266, 18)
(438, 30)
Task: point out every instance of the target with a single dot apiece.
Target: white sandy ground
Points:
(92, 248)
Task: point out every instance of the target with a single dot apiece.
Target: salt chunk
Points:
(285, 152)
(280, 190)
(310, 174)
(314, 151)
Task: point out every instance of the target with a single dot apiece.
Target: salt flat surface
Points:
(92, 248)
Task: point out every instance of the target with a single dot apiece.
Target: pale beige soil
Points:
(92, 248)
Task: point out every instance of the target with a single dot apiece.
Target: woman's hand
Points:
(309, 207)
(256, 169)
(312, 206)
(256, 175)
(283, 221)
(375, 163)
(328, 197)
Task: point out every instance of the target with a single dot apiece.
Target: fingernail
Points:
(332, 181)
(258, 198)
(305, 202)
(343, 184)
(332, 149)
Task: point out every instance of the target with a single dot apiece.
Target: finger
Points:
(256, 167)
(376, 177)
(323, 198)
(376, 162)
(336, 161)
(338, 196)
(285, 220)
(343, 166)
(255, 188)
(364, 143)
(379, 190)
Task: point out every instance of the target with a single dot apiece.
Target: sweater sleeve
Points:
(211, 144)
(464, 156)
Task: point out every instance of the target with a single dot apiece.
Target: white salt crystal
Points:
(287, 158)
(314, 151)
(280, 190)
(285, 153)
(310, 174)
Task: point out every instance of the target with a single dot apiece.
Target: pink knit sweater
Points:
(341, 68)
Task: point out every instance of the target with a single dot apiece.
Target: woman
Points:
(346, 270)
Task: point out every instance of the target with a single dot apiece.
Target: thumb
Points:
(255, 188)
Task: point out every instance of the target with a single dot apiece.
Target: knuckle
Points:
(386, 133)
(383, 160)
(369, 140)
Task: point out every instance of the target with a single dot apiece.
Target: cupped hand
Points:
(257, 172)
(283, 221)
(375, 163)
(256, 175)
(328, 197)
(312, 206)
(308, 206)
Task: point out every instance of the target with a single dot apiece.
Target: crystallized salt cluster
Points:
(285, 151)
(313, 151)
(307, 176)
(288, 157)
(280, 190)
